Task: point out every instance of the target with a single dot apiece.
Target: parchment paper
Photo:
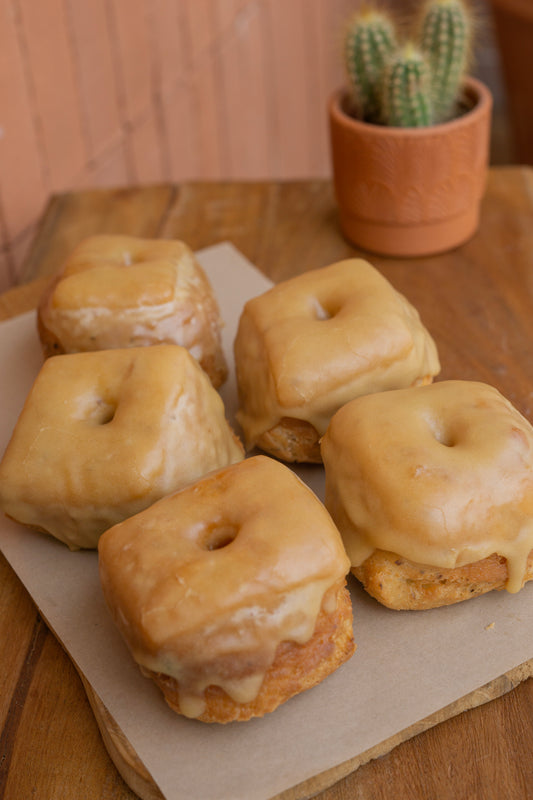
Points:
(407, 666)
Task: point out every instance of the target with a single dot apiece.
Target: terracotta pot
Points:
(411, 191)
(513, 24)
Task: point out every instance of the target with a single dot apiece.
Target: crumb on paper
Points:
(490, 626)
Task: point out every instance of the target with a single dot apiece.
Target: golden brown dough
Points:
(432, 491)
(296, 667)
(123, 291)
(231, 592)
(312, 343)
(102, 435)
(292, 440)
(402, 584)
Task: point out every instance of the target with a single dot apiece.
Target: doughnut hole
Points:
(441, 432)
(135, 255)
(96, 410)
(103, 412)
(219, 535)
(323, 310)
(129, 258)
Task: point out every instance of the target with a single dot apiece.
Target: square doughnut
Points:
(432, 490)
(316, 341)
(102, 435)
(122, 291)
(230, 593)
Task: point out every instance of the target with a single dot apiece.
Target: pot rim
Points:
(474, 88)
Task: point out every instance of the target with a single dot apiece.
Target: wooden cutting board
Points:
(479, 300)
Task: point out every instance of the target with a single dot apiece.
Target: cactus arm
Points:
(406, 96)
(418, 84)
(369, 40)
(445, 38)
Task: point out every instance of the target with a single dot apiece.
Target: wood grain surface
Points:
(477, 302)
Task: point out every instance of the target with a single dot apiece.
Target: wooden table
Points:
(477, 302)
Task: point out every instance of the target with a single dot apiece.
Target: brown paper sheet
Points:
(408, 665)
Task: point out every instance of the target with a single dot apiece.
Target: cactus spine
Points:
(406, 99)
(445, 36)
(370, 40)
(413, 84)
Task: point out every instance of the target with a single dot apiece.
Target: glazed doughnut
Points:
(312, 343)
(122, 291)
(102, 435)
(230, 593)
(432, 491)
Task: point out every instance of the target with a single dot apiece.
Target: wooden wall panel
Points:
(53, 90)
(288, 42)
(178, 109)
(22, 187)
(5, 271)
(110, 169)
(170, 62)
(115, 92)
(145, 151)
(132, 59)
(93, 48)
(206, 120)
(246, 95)
(199, 21)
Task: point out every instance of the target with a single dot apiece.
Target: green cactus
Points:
(370, 40)
(426, 73)
(445, 36)
(406, 96)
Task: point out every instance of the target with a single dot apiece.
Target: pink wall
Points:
(113, 92)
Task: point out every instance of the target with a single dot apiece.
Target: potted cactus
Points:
(410, 134)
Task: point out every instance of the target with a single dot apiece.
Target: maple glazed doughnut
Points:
(230, 593)
(432, 491)
(310, 344)
(123, 291)
(102, 435)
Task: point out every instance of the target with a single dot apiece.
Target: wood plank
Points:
(97, 88)
(210, 128)
(240, 59)
(269, 223)
(146, 151)
(19, 249)
(170, 45)
(283, 228)
(15, 634)
(326, 781)
(20, 299)
(178, 109)
(293, 90)
(57, 712)
(71, 217)
(54, 100)
(128, 23)
(18, 206)
(7, 277)
(112, 167)
(201, 28)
